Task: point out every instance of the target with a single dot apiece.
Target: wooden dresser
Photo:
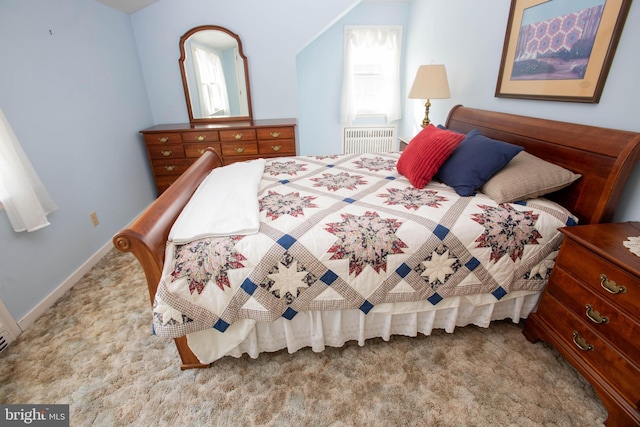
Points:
(590, 312)
(172, 148)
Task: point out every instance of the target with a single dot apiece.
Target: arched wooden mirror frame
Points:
(186, 78)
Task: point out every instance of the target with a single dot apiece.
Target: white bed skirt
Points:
(319, 329)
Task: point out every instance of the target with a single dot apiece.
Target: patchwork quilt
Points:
(349, 232)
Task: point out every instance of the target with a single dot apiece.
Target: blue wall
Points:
(272, 33)
(467, 36)
(72, 88)
(320, 73)
(78, 96)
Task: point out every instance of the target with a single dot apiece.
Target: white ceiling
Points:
(131, 6)
(128, 6)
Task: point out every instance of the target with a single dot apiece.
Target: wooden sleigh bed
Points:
(603, 157)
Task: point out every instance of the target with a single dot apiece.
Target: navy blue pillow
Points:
(474, 161)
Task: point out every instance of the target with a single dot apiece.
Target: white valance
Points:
(372, 66)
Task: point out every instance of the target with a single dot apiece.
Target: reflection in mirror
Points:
(215, 75)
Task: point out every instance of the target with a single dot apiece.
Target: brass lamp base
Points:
(426, 120)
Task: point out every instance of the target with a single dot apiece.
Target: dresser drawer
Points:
(618, 371)
(588, 268)
(162, 138)
(276, 133)
(235, 159)
(164, 181)
(282, 147)
(170, 167)
(200, 136)
(619, 329)
(239, 148)
(166, 151)
(196, 150)
(238, 135)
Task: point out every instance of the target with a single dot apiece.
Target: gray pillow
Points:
(527, 177)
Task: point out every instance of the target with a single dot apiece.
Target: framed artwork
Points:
(560, 50)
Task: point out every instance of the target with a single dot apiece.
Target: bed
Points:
(350, 249)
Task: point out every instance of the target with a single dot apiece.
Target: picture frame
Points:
(560, 50)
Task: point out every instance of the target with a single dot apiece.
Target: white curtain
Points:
(212, 85)
(371, 51)
(22, 194)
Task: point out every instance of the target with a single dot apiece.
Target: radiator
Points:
(359, 139)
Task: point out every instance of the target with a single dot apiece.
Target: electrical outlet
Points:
(94, 219)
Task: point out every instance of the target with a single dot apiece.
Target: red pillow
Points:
(426, 152)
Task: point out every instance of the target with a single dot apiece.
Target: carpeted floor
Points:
(94, 351)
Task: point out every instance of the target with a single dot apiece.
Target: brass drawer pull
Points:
(276, 147)
(201, 138)
(239, 149)
(238, 135)
(163, 139)
(169, 168)
(595, 317)
(166, 153)
(201, 151)
(611, 286)
(274, 134)
(581, 343)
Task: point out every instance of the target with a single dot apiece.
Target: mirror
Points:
(215, 75)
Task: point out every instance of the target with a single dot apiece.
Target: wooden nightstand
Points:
(590, 312)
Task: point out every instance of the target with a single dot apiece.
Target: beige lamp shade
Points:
(430, 83)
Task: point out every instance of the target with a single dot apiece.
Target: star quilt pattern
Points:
(349, 232)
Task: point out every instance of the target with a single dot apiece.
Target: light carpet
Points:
(94, 351)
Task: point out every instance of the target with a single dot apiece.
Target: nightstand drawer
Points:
(618, 371)
(588, 268)
(619, 329)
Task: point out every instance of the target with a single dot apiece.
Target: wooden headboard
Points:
(604, 157)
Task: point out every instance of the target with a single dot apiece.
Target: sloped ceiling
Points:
(128, 6)
(131, 6)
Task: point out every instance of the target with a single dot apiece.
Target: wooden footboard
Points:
(146, 237)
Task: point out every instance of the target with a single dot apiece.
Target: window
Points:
(22, 194)
(371, 84)
(212, 87)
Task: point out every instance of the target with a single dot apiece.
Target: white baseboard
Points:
(54, 296)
